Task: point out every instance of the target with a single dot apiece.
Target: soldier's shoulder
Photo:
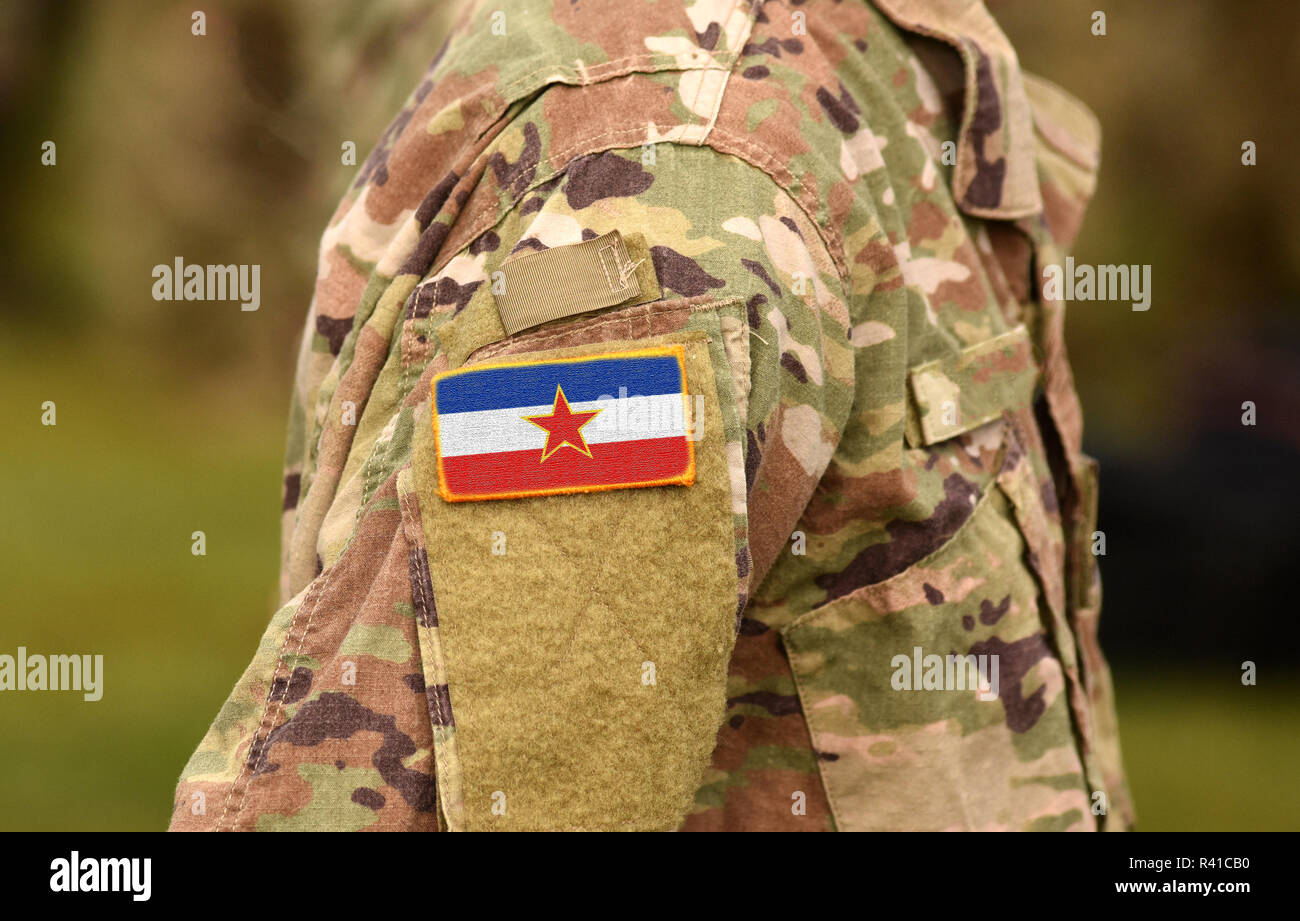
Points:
(515, 48)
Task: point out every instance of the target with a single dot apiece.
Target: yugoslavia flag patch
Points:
(535, 428)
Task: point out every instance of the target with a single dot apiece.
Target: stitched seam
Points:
(600, 256)
(864, 592)
(371, 470)
(784, 179)
(551, 337)
(699, 91)
(619, 67)
(743, 38)
(262, 721)
(443, 752)
(831, 799)
(496, 348)
(315, 601)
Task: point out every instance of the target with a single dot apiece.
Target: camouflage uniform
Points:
(845, 206)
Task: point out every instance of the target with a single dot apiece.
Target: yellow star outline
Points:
(563, 426)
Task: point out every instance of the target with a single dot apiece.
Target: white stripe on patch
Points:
(489, 431)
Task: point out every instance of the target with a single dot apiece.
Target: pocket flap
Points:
(952, 395)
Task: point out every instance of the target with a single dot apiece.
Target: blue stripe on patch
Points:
(534, 385)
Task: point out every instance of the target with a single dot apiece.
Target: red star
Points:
(563, 426)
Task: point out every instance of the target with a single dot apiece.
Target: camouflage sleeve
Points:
(730, 257)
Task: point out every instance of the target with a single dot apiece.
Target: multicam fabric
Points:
(851, 197)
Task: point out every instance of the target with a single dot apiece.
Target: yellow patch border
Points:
(686, 478)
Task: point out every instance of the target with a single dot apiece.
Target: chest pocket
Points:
(583, 638)
(947, 696)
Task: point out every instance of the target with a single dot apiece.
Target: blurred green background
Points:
(226, 148)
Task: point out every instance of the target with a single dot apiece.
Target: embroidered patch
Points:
(616, 420)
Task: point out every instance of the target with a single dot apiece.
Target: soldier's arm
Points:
(561, 660)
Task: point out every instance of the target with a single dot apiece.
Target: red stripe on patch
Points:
(613, 465)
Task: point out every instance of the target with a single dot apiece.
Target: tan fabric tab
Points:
(567, 280)
(639, 252)
(962, 391)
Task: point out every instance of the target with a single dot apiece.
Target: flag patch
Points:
(616, 420)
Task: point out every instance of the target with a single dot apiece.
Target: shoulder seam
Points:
(750, 151)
